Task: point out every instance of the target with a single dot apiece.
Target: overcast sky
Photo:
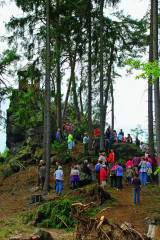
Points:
(130, 94)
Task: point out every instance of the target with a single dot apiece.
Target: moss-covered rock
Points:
(38, 154)
(62, 159)
(24, 153)
(123, 151)
(14, 164)
(5, 171)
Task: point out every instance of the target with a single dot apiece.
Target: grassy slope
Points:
(15, 199)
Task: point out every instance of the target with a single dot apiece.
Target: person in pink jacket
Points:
(129, 163)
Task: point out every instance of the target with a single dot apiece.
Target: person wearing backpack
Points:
(97, 170)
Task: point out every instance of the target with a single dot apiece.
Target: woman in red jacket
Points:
(103, 176)
(111, 158)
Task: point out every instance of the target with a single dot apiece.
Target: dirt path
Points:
(15, 199)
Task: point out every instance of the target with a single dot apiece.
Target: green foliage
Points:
(63, 146)
(51, 214)
(157, 170)
(80, 129)
(24, 153)
(138, 130)
(28, 107)
(8, 56)
(123, 151)
(149, 69)
(4, 154)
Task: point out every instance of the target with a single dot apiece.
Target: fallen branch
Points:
(102, 210)
(105, 233)
(84, 209)
(129, 230)
(101, 221)
(79, 218)
(82, 205)
(63, 222)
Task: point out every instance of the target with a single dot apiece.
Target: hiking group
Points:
(138, 170)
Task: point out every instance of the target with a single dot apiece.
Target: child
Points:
(129, 175)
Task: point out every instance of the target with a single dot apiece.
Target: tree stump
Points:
(36, 198)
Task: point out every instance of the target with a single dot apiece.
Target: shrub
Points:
(52, 213)
(59, 148)
(4, 154)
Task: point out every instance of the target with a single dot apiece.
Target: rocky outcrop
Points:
(19, 134)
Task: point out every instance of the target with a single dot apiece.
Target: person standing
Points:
(129, 138)
(119, 175)
(143, 171)
(98, 168)
(96, 132)
(137, 142)
(129, 163)
(111, 158)
(106, 144)
(113, 176)
(149, 171)
(58, 136)
(136, 188)
(85, 144)
(42, 172)
(143, 148)
(96, 144)
(136, 161)
(102, 158)
(70, 142)
(103, 176)
(86, 169)
(75, 178)
(108, 132)
(150, 159)
(58, 178)
(56, 168)
(129, 175)
(39, 166)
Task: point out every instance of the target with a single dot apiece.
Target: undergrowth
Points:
(53, 214)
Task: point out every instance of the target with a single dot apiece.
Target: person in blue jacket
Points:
(58, 135)
(119, 175)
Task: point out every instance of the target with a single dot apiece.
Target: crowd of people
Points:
(109, 139)
(138, 170)
(68, 134)
(138, 173)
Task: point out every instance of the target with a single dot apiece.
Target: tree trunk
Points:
(109, 80)
(89, 77)
(58, 74)
(72, 63)
(80, 91)
(112, 118)
(47, 109)
(75, 99)
(101, 79)
(150, 95)
(156, 84)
